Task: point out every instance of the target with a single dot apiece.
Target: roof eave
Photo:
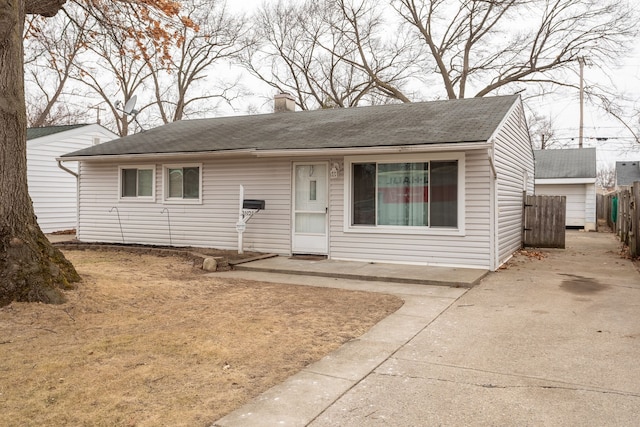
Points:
(421, 148)
(543, 181)
(461, 146)
(142, 156)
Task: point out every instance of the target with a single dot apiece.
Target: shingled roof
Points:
(34, 133)
(627, 172)
(438, 122)
(567, 163)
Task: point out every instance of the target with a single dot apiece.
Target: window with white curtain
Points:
(404, 194)
(182, 183)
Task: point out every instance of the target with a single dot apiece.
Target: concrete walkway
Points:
(60, 238)
(554, 341)
(396, 273)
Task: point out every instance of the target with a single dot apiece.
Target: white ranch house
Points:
(437, 183)
(52, 190)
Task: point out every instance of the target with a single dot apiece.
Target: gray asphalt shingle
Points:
(567, 163)
(34, 133)
(455, 121)
(627, 172)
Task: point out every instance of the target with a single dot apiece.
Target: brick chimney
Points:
(284, 102)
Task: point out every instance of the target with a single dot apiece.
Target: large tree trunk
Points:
(31, 269)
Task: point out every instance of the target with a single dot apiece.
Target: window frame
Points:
(348, 227)
(137, 198)
(165, 184)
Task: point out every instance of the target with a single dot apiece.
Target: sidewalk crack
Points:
(498, 386)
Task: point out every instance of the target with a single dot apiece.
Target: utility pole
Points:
(581, 61)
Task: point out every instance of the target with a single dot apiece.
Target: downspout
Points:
(66, 169)
(493, 210)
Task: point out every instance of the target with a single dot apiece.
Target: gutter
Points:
(66, 169)
(195, 154)
(291, 152)
(373, 150)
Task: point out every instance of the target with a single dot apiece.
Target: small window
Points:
(313, 191)
(136, 182)
(182, 183)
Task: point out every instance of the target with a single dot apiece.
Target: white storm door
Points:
(310, 206)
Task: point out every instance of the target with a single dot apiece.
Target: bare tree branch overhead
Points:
(482, 46)
(408, 50)
(52, 47)
(215, 37)
(328, 53)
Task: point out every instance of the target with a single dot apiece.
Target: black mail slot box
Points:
(253, 204)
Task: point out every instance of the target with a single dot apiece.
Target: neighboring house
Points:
(627, 172)
(435, 183)
(52, 190)
(570, 173)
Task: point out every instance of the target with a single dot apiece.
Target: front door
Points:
(310, 206)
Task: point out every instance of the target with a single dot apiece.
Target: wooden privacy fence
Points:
(544, 221)
(621, 210)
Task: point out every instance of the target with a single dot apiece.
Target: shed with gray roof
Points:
(570, 173)
(434, 183)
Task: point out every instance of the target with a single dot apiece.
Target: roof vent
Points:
(284, 102)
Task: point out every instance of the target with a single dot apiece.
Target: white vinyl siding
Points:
(514, 163)
(581, 202)
(53, 190)
(209, 224)
(440, 247)
(212, 224)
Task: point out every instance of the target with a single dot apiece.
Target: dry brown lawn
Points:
(151, 341)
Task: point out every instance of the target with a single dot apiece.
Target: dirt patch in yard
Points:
(148, 341)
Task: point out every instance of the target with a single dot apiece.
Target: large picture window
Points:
(182, 183)
(136, 182)
(406, 194)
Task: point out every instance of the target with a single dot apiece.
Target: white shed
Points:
(570, 173)
(52, 190)
(433, 183)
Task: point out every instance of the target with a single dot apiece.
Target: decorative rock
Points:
(210, 264)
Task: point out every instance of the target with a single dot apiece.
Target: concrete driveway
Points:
(552, 341)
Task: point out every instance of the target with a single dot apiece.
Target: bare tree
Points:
(212, 37)
(542, 131)
(606, 177)
(51, 47)
(481, 46)
(328, 53)
(337, 52)
(114, 70)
